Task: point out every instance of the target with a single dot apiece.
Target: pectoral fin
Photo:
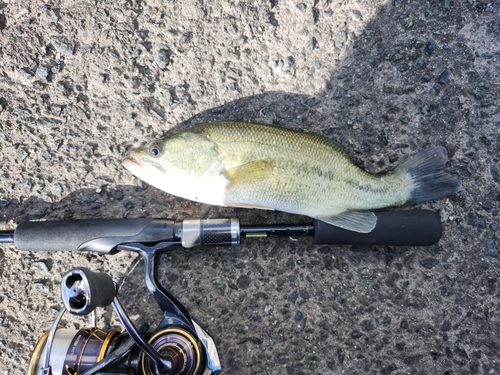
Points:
(249, 173)
(356, 221)
(240, 192)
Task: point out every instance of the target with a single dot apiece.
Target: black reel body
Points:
(179, 346)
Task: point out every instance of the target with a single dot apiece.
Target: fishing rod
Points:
(394, 228)
(178, 346)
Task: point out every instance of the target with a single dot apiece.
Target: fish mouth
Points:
(134, 164)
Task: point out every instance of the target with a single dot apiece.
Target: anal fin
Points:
(356, 221)
(247, 205)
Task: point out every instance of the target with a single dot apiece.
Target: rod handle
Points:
(99, 235)
(394, 228)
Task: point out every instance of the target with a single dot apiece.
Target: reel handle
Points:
(83, 290)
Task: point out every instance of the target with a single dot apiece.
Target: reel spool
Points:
(74, 352)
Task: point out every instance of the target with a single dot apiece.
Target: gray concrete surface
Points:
(83, 82)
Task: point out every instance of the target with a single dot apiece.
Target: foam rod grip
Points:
(394, 228)
(99, 235)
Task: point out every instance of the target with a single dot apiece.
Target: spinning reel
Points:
(178, 346)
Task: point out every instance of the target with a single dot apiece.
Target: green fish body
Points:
(261, 166)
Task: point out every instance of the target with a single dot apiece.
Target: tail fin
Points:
(430, 182)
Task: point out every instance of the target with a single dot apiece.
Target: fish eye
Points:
(154, 150)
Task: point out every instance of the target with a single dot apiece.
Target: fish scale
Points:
(298, 155)
(262, 166)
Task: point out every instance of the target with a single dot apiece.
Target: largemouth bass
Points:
(261, 166)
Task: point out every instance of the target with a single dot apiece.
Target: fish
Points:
(239, 164)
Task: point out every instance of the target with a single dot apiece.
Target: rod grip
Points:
(394, 228)
(99, 235)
